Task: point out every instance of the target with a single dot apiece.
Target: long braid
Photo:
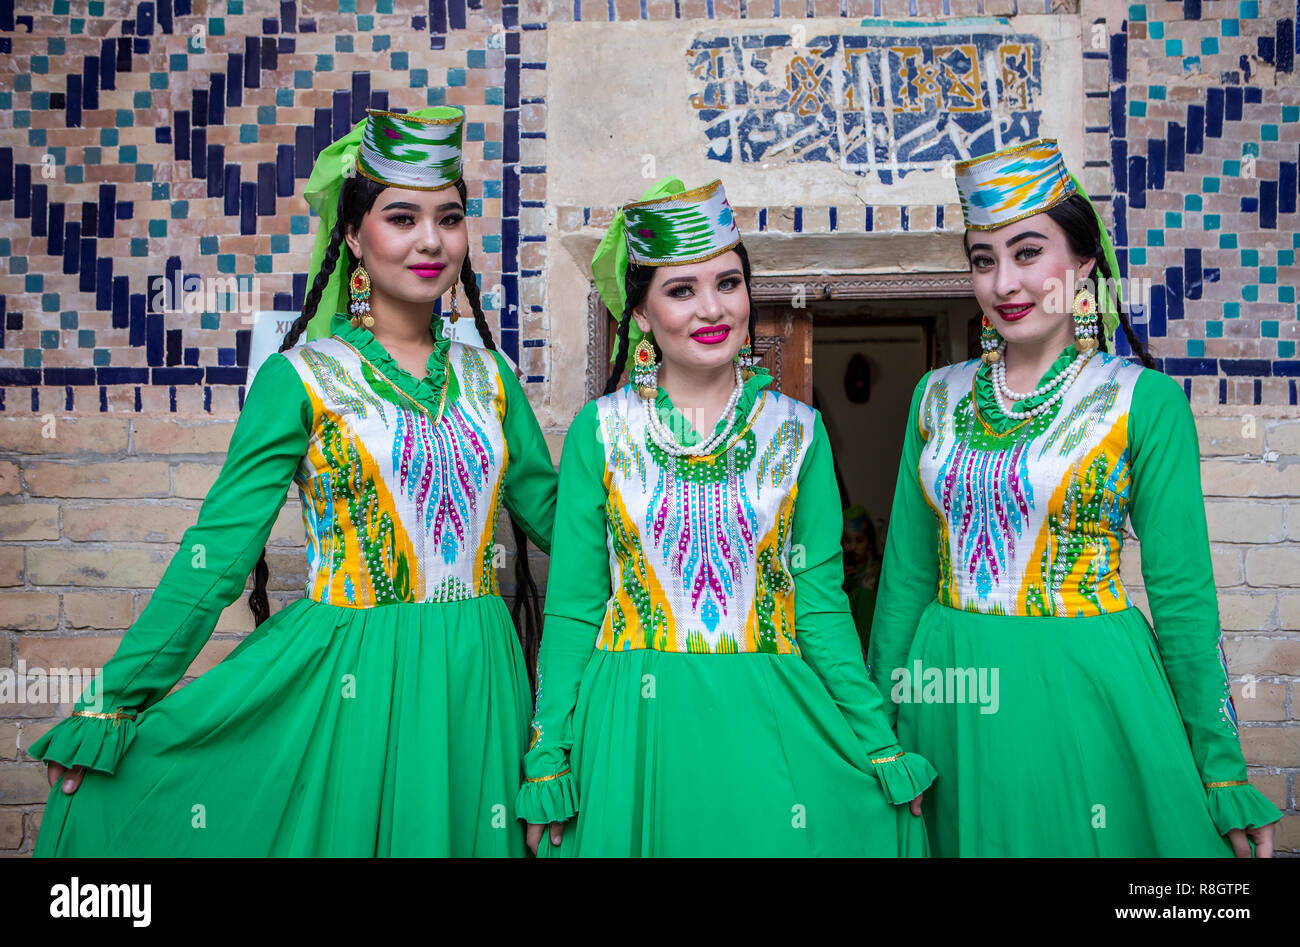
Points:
(624, 326)
(527, 598)
(258, 602)
(1133, 341)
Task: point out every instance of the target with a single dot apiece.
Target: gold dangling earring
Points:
(1085, 320)
(359, 288)
(645, 368)
(990, 342)
(455, 307)
(746, 359)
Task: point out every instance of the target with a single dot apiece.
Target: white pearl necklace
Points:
(1006, 397)
(663, 437)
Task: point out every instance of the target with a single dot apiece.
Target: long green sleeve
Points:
(1167, 509)
(207, 573)
(909, 576)
(577, 593)
(824, 625)
(529, 490)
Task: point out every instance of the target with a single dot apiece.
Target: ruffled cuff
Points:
(548, 799)
(904, 776)
(95, 742)
(1239, 805)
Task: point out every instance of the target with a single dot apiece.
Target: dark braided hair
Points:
(356, 199)
(636, 285)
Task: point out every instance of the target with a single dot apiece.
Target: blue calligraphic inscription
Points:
(875, 104)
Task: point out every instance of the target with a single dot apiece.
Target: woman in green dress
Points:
(1003, 637)
(385, 713)
(700, 686)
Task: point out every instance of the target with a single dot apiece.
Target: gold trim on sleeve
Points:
(1234, 782)
(116, 716)
(890, 759)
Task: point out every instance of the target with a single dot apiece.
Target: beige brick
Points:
(1248, 611)
(132, 479)
(237, 618)
(97, 568)
(1229, 564)
(1271, 746)
(29, 521)
(98, 609)
(8, 740)
(1245, 522)
(288, 529)
(11, 829)
(1288, 611)
(72, 652)
(29, 734)
(1259, 655)
(1286, 834)
(1284, 437)
(124, 521)
(194, 480)
(11, 565)
(181, 436)
(9, 481)
(33, 821)
(23, 784)
(1230, 436)
(1276, 565)
(1269, 702)
(68, 435)
(30, 611)
(1228, 478)
(6, 651)
(1272, 785)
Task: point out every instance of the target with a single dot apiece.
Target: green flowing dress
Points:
(701, 689)
(385, 713)
(1007, 647)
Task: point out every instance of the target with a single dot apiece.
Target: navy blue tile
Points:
(299, 291)
(1264, 47)
(265, 189)
(230, 190)
(1268, 205)
(69, 376)
(322, 132)
(1232, 107)
(216, 173)
(1195, 129)
(153, 346)
(938, 222)
(199, 107)
(1245, 366)
(306, 26)
(252, 62)
(360, 95)
(512, 41)
(140, 47)
(164, 17)
(342, 109)
(124, 57)
(190, 356)
(510, 343)
(86, 265)
(302, 151)
(1223, 390)
(125, 210)
(55, 247)
(6, 174)
(868, 220)
(1191, 9)
(1286, 184)
(282, 302)
(284, 170)
(71, 246)
(108, 64)
(1192, 272)
(456, 14)
(1250, 205)
(1176, 137)
(512, 83)
(1119, 208)
(509, 244)
(243, 338)
(217, 100)
(235, 80)
(509, 191)
(270, 26)
(1214, 113)
(1137, 175)
(39, 212)
(289, 16)
(1174, 292)
(510, 137)
(510, 302)
(1155, 165)
(162, 135)
(216, 375)
(90, 83)
(1118, 58)
(89, 218)
(248, 208)
(379, 99)
(183, 376)
(1289, 368)
(137, 324)
(144, 19)
(1191, 366)
(270, 55)
(1118, 116)
(104, 284)
(172, 355)
(121, 375)
(1285, 45)
(74, 101)
(1254, 95)
(182, 126)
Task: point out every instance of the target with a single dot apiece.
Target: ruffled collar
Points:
(987, 401)
(676, 421)
(427, 390)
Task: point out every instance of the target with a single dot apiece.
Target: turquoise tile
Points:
(266, 115)
(1155, 238)
(1191, 202)
(1290, 114)
(365, 23)
(144, 172)
(1210, 185)
(1250, 257)
(1268, 133)
(247, 134)
(74, 174)
(6, 100)
(279, 243)
(1231, 168)
(1137, 12)
(158, 80)
(22, 118)
(180, 210)
(494, 95)
(208, 245)
(31, 358)
(34, 282)
(56, 45)
(399, 61)
(157, 228)
(474, 131)
(108, 137)
(78, 26)
(1156, 30)
(1191, 64)
(1249, 10)
(1250, 148)
(491, 243)
(139, 246)
(474, 207)
(1195, 348)
(1209, 45)
(1268, 274)
(1173, 47)
(225, 263)
(209, 320)
(492, 150)
(22, 82)
(1250, 293)
(68, 319)
(85, 338)
(1268, 328)
(1230, 27)
(216, 26)
(299, 223)
(49, 338)
(1137, 256)
(284, 98)
(4, 246)
(1286, 349)
(1137, 109)
(1156, 92)
(325, 62)
(142, 100)
(1210, 222)
(1231, 310)
(493, 189)
(40, 65)
(380, 42)
(40, 101)
(1286, 294)
(455, 77)
(96, 8)
(101, 357)
(126, 154)
(123, 118)
(419, 78)
(347, 6)
(437, 96)
(343, 43)
(384, 6)
(178, 62)
(161, 191)
(1214, 329)
(262, 263)
(1173, 220)
(234, 7)
(36, 137)
(91, 155)
(302, 78)
(476, 58)
(1286, 258)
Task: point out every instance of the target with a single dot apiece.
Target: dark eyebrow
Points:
(734, 271)
(407, 205)
(1021, 236)
(980, 246)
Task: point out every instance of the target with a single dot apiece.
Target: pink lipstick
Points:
(712, 335)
